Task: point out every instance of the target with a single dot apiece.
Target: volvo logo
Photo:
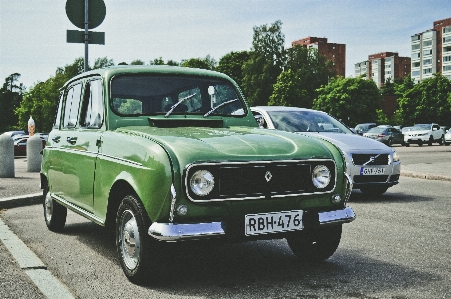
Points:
(372, 159)
(268, 176)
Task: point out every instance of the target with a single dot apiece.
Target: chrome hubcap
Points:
(129, 241)
(48, 207)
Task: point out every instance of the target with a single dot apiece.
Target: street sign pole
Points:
(86, 34)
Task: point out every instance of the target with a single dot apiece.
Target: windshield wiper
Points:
(220, 105)
(178, 103)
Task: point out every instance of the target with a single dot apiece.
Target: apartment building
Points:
(332, 51)
(431, 51)
(382, 66)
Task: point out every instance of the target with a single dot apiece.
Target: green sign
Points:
(76, 36)
(75, 11)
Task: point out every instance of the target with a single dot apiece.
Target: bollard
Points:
(34, 157)
(6, 156)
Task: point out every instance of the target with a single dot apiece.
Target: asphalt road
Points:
(398, 247)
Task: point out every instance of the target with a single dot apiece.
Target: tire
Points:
(430, 140)
(390, 142)
(137, 252)
(441, 141)
(54, 213)
(374, 190)
(407, 144)
(420, 142)
(315, 245)
(446, 143)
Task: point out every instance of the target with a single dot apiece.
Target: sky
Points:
(33, 32)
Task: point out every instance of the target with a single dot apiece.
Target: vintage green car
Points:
(163, 154)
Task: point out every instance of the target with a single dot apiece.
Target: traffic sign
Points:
(75, 11)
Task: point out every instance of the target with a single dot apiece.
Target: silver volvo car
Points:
(372, 166)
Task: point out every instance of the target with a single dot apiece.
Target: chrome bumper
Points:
(178, 232)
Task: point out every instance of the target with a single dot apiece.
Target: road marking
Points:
(32, 265)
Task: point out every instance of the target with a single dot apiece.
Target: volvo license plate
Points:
(371, 170)
(266, 223)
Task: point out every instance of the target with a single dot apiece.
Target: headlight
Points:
(202, 182)
(321, 176)
(395, 156)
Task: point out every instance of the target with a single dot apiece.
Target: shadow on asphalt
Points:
(398, 197)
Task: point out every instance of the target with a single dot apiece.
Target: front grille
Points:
(259, 179)
(360, 159)
(359, 179)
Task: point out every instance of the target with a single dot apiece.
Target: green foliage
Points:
(427, 102)
(137, 62)
(260, 75)
(232, 63)
(353, 100)
(382, 118)
(269, 41)
(288, 91)
(206, 63)
(11, 95)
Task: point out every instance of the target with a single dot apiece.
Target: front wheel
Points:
(136, 250)
(441, 140)
(374, 190)
(54, 213)
(315, 245)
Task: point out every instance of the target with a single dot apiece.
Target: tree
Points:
(11, 95)
(137, 62)
(265, 63)
(353, 100)
(308, 71)
(232, 63)
(288, 91)
(207, 63)
(427, 102)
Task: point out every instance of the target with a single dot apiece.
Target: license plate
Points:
(266, 223)
(371, 171)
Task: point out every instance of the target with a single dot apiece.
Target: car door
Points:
(78, 142)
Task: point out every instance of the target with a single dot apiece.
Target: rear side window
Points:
(92, 109)
(56, 124)
(72, 106)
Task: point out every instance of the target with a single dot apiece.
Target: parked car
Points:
(424, 133)
(167, 154)
(405, 129)
(385, 134)
(14, 133)
(448, 138)
(372, 166)
(20, 146)
(445, 129)
(363, 128)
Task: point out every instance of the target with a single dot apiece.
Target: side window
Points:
(56, 123)
(92, 109)
(72, 105)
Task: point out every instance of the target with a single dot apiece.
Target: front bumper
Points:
(178, 232)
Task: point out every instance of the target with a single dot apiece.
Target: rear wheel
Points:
(390, 142)
(54, 213)
(441, 140)
(136, 250)
(315, 245)
(374, 190)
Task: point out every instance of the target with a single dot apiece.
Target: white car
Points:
(372, 166)
(448, 137)
(424, 133)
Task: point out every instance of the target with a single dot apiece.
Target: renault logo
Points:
(268, 176)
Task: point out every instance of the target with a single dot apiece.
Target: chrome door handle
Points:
(56, 139)
(72, 140)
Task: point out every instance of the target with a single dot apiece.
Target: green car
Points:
(163, 154)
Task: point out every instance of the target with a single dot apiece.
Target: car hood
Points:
(417, 132)
(235, 143)
(350, 142)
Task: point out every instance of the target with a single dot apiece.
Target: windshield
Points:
(168, 95)
(376, 130)
(307, 121)
(420, 127)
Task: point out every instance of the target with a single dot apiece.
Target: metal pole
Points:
(86, 35)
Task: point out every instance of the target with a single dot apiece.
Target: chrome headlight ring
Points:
(321, 176)
(202, 182)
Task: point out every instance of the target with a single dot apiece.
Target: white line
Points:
(49, 285)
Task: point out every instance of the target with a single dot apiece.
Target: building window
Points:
(447, 29)
(447, 39)
(446, 58)
(415, 47)
(415, 38)
(427, 43)
(447, 68)
(427, 61)
(427, 52)
(427, 71)
(415, 73)
(415, 55)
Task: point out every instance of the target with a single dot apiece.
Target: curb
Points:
(21, 200)
(427, 176)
